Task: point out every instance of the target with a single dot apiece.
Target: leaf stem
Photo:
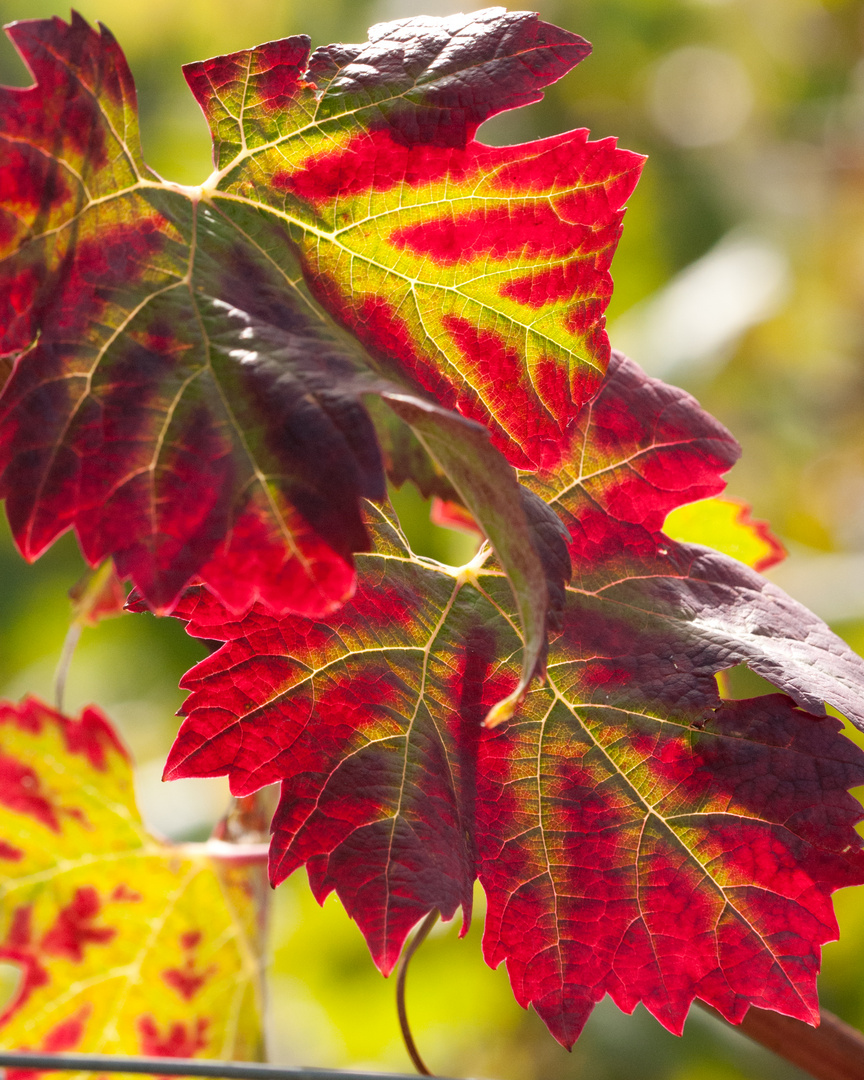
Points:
(401, 975)
(832, 1051)
(70, 643)
(97, 595)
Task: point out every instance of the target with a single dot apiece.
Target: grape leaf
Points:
(643, 449)
(125, 396)
(404, 456)
(166, 340)
(727, 525)
(635, 834)
(531, 543)
(481, 273)
(120, 943)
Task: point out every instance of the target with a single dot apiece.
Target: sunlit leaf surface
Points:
(726, 524)
(113, 941)
(636, 835)
(181, 395)
(192, 377)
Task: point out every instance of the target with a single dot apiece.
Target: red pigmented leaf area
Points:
(129, 415)
(636, 835)
(654, 845)
(478, 274)
(117, 942)
(182, 396)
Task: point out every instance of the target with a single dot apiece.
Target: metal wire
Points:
(166, 1066)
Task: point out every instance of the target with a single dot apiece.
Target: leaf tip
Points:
(504, 710)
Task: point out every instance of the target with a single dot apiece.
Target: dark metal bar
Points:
(167, 1066)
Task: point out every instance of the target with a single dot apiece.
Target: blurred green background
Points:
(740, 277)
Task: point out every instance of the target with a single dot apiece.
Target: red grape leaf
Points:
(134, 389)
(121, 943)
(530, 544)
(478, 273)
(640, 449)
(170, 340)
(634, 834)
(166, 340)
(643, 449)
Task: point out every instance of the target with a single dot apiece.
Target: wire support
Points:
(167, 1066)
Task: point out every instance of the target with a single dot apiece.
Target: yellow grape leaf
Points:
(725, 524)
(115, 942)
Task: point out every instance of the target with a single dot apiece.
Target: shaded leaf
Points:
(405, 458)
(525, 534)
(122, 943)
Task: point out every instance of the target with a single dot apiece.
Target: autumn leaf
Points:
(209, 384)
(480, 273)
(120, 943)
(635, 834)
(527, 536)
(181, 395)
(727, 525)
(643, 449)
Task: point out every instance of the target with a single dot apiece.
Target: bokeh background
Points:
(740, 277)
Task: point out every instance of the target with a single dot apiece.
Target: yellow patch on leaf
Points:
(112, 941)
(726, 525)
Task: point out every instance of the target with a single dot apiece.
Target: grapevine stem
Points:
(401, 975)
(69, 644)
(96, 595)
(833, 1051)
